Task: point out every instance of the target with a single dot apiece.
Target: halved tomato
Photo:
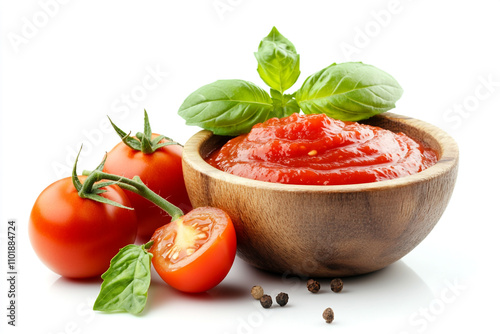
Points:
(195, 252)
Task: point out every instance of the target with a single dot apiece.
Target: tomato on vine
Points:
(156, 159)
(75, 236)
(78, 223)
(193, 253)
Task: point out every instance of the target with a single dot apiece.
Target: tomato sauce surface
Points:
(318, 150)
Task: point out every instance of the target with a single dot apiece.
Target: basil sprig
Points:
(347, 91)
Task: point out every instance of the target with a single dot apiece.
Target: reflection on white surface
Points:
(381, 302)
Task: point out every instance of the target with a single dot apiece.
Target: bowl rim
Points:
(447, 161)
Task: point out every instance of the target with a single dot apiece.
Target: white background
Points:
(68, 64)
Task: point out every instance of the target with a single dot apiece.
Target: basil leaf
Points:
(126, 282)
(349, 92)
(284, 104)
(278, 61)
(227, 107)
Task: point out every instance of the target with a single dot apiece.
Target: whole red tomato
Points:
(195, 252)
(77, 237)
(161, 171)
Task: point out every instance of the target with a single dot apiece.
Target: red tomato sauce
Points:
(319, 150)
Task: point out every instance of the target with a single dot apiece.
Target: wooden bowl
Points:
(327, 231)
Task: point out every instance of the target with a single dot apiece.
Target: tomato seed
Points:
(201, 236)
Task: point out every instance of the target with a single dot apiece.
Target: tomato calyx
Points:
(90, 189)
(143, 141)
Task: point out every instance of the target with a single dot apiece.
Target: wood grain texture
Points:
(327, 231)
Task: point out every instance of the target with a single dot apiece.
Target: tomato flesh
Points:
(195, 252)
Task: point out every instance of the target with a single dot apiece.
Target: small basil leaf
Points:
(349, 92)
(126, 282)
(278, 61)
(284, 104)
(227, 107)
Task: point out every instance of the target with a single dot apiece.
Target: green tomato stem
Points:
(135, 185)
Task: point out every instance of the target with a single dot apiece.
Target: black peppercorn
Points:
(313, 285)
(336, 285)
(266, 301)
(282, 299)
(328, 315)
